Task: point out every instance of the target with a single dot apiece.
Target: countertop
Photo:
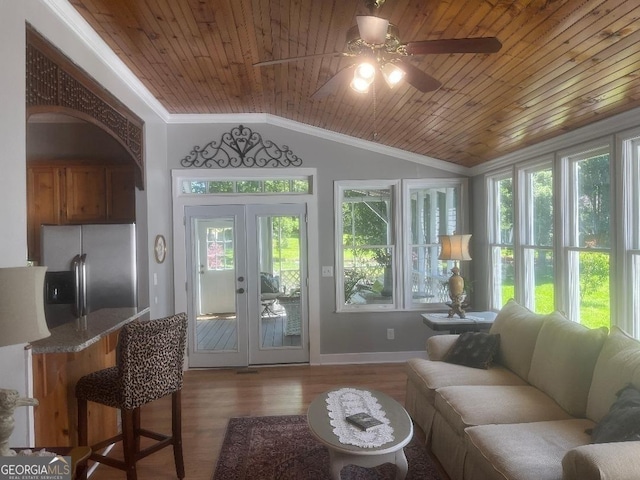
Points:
(70, 337)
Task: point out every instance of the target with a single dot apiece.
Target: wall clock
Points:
(160, 248)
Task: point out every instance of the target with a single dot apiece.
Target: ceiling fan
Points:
(374, 46)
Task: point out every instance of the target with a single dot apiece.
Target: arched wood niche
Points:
(56, 85)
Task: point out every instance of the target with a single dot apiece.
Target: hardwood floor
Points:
(210, 397)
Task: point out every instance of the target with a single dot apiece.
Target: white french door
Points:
(247, 284)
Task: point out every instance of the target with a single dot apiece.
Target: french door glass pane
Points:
(593, 280)
(279, 263)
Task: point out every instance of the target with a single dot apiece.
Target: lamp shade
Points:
(454, 247)
(22, 317)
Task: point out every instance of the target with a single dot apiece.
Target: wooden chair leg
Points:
(83, 432)
(129, 444)
(136, 428)
(176, 432)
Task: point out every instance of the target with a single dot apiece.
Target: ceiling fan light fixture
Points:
(360, 85)
(373, 30)
(365, 71)
(392, 74)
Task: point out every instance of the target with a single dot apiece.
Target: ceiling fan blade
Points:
(372, 30)
(417, 78)
(304, 57)
(455, 45)
(331, 85)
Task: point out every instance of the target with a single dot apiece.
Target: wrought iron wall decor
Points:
(55, 84)
(241, 147)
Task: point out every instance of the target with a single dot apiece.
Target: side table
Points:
(473, 322)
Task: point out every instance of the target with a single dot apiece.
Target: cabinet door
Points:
(44, 203)
(121, 194)
(85, 192)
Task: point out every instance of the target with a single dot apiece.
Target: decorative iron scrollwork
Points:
(241, 147)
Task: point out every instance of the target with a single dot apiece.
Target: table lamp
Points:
(22, 320)
(455, 247)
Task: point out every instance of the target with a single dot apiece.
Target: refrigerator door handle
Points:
(77, 283)
(83, 284)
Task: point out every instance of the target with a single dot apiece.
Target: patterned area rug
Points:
(282, 448)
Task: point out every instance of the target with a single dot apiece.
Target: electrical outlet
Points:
(327, 271)
(391, 334)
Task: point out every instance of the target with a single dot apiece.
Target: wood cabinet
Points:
(61, 192)
(54, 378)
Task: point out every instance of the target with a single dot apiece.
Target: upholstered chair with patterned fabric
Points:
(150, 358)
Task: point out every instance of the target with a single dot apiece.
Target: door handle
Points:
(240, 290)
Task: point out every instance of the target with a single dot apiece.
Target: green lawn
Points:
(594, 308)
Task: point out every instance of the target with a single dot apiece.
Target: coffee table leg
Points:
(402, 467)
(336, 463)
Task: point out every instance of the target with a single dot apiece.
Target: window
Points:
(538, 292)
(367, 248)
(433, 211)
(220, 248)
(387, 242)
(588, 237)
(501, 231)
(246, 186)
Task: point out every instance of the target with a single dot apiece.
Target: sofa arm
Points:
(603, 461)
(439, 345)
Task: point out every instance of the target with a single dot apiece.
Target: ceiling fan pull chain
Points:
(375, 112)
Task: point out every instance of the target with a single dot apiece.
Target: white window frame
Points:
(401, 259)
(493, 233)
(569, 301)
(523, 228)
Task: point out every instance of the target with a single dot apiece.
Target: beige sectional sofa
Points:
(528, 416)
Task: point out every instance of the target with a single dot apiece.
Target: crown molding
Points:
(599, 129)
(78, 25)
(251, 118)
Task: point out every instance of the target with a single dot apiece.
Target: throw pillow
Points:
(474, 349)
(622, 423)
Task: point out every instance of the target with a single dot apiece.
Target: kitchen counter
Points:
(60, 360)
(72, 337)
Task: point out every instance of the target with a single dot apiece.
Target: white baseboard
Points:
(375, 357)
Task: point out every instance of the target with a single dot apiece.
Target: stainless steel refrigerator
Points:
(89, 267)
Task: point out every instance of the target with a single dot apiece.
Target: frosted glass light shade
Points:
(454, 247)
(22, 317)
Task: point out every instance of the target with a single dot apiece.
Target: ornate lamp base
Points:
(457, 306)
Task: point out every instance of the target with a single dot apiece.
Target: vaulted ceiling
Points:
(563, 64)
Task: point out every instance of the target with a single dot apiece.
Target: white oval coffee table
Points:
(341, 454)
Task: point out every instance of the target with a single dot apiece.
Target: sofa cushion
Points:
(518, 328)
(474, 349)
(464, 406)
(563, 361)
(531, 451)
(618, 365)
(622, 423)
(428, 376)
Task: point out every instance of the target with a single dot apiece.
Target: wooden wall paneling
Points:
(55, 376)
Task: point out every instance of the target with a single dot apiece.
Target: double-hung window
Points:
(587, 232)
(387, 242)
(535, 201)
(501, 238)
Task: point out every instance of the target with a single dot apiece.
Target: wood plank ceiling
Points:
(563, 64)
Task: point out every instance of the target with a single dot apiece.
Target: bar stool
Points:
(150, 357)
